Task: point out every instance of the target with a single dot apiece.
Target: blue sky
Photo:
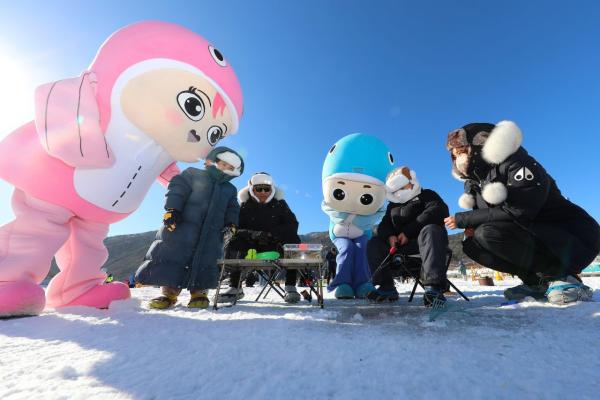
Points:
(314, 71)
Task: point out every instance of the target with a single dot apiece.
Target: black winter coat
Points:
(410, 217)
(535, 203)
(274, 217)
(187, 257)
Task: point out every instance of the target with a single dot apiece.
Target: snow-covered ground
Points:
(269, 350)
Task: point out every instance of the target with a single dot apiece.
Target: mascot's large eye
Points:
(332, 149)
(339, 194)
(217, 56)
(191, 104)
(366, 199)
(214, 134)
(391, 158)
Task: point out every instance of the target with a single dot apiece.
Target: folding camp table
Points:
(269, 269)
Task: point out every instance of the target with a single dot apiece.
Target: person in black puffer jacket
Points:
(266, 224)
(414, 223)
(520, 223)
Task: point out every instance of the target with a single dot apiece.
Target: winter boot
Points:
(344, 292)
(199, 299)
(230, 295)
(567, 290)
(162, 302)
(101, 296)
(363, 289)
(433, 297)
(383, 296)
(167, 300)
(518, 293)
(18, 299)
(291, 294)
(251, 279)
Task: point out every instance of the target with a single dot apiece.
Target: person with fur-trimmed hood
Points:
(519, 222)
(266, 224)
(414, 224)
(199, 205)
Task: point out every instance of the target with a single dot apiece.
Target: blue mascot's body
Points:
(353, 178)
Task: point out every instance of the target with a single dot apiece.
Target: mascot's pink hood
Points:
(156, 40)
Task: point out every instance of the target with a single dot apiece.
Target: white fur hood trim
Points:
(504, 140)
(456, 175)
(466, 201)
(244, 194)
(494, 193)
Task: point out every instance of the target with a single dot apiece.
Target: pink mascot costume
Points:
(155, 94)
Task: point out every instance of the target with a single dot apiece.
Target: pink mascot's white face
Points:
(181, 110)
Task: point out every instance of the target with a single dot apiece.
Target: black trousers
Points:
(506, 247)
(431, 245)
(238, 248)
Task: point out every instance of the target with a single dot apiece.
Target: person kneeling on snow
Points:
(266, 223)
(200, 203)
(414, 224)
(520, 222)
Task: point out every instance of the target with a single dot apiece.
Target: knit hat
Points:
(397, 180)
(260, 178)
(232, 159)
(228, 155)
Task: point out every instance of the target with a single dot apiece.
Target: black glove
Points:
(265, 238)
(261, 238)
(228, 234)
(171, 218)
(230, 229)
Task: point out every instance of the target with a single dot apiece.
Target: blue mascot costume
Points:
(353, 179)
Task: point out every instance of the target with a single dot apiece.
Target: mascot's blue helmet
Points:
(358, 157)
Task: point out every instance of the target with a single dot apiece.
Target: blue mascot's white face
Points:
(354, 173)
(353, 197)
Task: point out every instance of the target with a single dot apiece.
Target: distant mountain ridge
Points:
(126, 252)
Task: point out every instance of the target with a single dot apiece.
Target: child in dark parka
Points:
(199, 205)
